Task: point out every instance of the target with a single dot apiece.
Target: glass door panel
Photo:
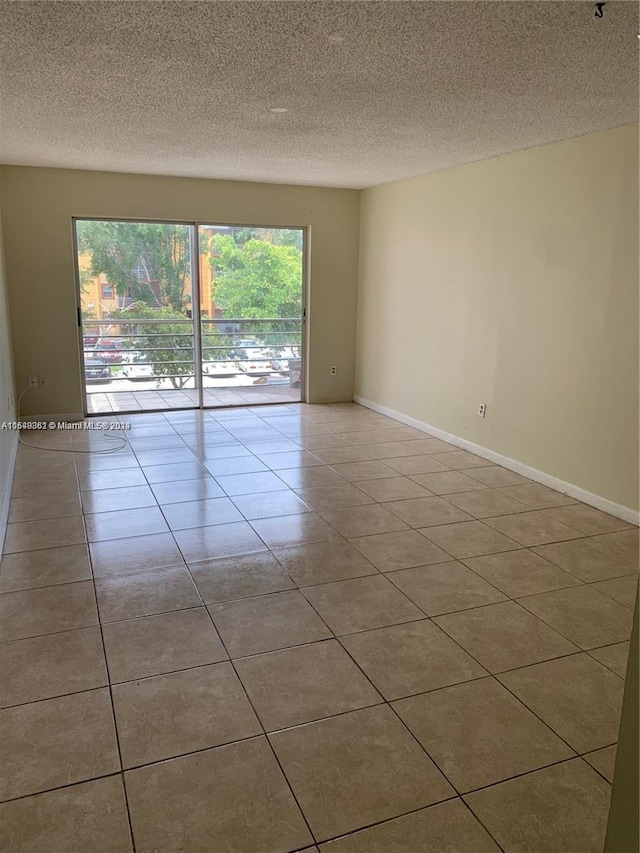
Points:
(251, 301)
(136, 313)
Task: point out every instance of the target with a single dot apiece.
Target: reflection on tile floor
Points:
(266, 628)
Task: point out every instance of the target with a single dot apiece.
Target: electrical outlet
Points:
(333, 370)
(482, 410)
(33, 382)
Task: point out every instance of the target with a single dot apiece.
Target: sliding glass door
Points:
(251, 282)
(176, 315)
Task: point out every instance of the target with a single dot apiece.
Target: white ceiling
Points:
(375, 91)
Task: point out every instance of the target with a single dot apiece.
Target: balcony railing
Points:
(230, 347)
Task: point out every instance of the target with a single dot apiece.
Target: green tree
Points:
(168, 347)
(257, 279)
(149, 262)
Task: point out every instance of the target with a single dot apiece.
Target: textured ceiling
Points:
(375, 91)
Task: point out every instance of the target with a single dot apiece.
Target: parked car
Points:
(96, 370)
(247, 353)
(109, 350)
(136, 368)
(220, 368)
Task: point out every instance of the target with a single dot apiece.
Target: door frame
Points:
(195, 224)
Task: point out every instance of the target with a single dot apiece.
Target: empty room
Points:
(319, 432)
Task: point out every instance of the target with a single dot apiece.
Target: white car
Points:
(136, 368)
(220, 368)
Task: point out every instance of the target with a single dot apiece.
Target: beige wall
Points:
(37, 206)
(513, 281)
(7, 390)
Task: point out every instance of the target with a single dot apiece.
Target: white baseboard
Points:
(6, 495)
(623, 512)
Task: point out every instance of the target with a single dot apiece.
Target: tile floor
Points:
(112, 400)
(260, 630)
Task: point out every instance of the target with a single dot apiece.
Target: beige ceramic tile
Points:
(361, 604)
(53, 665)
(363, 520)
(234, 465)
(170, 803)
(432, 445)
(445, 588)
(125, 523)
(520, 572)
(486, 503)
(56, 742)
(311, 478)
(219, 540)
(174, 472)
(252, 484)
(447, 482)
(187, 490)
(145, 593)
(188, 514)
(479, 734)
(576, 696)
(469, 539)
(109, 500)
(243, 576)
(588, 520)
(391, 551)
(47, 533)
(154, 645)
(533, 528)
(393, 489)
(354, 471)
(504, 636)
(181, 712)
(330, 497)
(286, 530)
(38, 507)
(421, 464)
(306, 683)
(622, 590)
(91, 816)
(334, 765)
(614, 657)
(462, 459)
(537, 496)
(269, 505)
(31, 569)
(583, 615)
(561, 808)
(603, 760)
(267, 623)
(337, 455)
(31, 612)
(402, 660)
(625, 542)
(324, 562)
(391, 450)
(588, 559)
(124, 556)
(294, 459)
(446, 827)
(427, 511)
(116, 479)
(494, 476)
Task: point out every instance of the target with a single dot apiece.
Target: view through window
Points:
(157, 336)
